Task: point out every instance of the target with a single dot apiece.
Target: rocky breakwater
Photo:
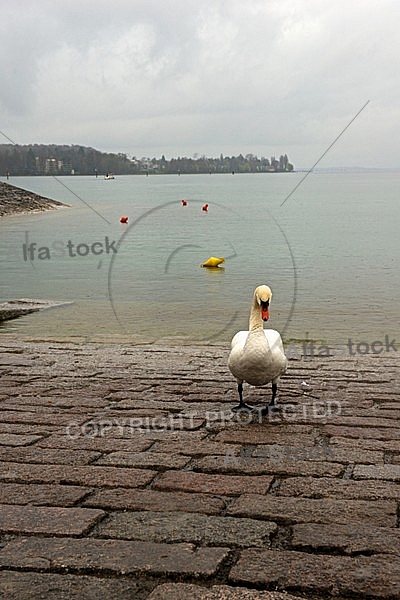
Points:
(16, 200)
(25, 306)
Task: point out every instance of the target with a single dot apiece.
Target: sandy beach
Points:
(125, 475)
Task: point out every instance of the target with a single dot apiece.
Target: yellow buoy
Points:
(212, 262)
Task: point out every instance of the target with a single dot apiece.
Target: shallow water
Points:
(330, 255)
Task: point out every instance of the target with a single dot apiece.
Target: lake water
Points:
(330, 255)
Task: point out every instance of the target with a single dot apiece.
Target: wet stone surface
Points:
(124, 474)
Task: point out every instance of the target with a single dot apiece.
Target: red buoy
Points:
(204, 207)
(184, 203)
(123, 220)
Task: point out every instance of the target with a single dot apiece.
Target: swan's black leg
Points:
(274, 390)
(242, 405)
(271, 408)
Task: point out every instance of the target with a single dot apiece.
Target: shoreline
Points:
(17, 201)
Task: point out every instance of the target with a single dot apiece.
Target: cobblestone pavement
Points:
(124, 474)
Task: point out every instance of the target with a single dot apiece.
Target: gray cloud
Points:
(179, 77)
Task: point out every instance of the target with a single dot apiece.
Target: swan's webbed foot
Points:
(271, 410)
(242, 406)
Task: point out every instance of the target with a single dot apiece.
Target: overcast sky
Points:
(179, 77)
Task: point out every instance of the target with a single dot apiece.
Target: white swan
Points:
(257, 356)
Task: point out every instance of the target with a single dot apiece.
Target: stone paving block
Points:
(172, 527)
(364, 576)
(324, 487)
(19, 379)
(125, 431)
(42, 494)
(365, 443)
(229, 485)
(42, 406)
(131, 396)
(351, 539)
(389, 405)
(30, 429)
(15, 585)
(144, 415)
(381, 412)
(9, 390)
(388, 472)
(33, 454)
(15, 360)
(40, 418)
(187, 591)
(263, 434)
(194, 447)
(98, 443)
(354, 421)
(375, 433)
(47, 519)
(214, 408)
(172, 434)
(130, 499)
(231, 464)
(77, 401)
(365, 385)
(144, 421)
(87, 475)
(12, 439)
(355, 455)
(151, 460)
(111, 556)
(137, 401)
(302, 510)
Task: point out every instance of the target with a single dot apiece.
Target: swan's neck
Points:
(255, 320)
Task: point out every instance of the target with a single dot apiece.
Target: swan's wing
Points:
(237, 344)
(239, 339)
(276, 345)
(274, 339)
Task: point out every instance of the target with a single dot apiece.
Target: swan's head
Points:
(262, 296)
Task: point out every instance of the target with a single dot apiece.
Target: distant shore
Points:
(15, 200)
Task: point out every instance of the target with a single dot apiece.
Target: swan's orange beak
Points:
(264, 313)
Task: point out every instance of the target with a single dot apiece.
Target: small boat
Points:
(109, 176)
